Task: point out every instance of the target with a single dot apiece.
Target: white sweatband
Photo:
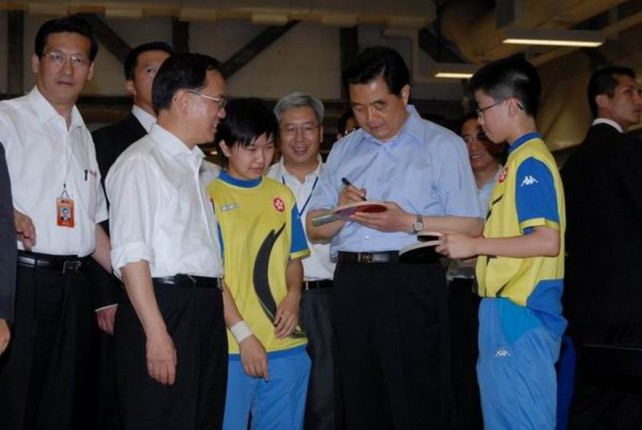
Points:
(240, 331)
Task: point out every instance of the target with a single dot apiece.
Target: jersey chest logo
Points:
(278, 204)
(502, 176)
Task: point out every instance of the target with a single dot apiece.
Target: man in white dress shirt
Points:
(300, 119)
(140, 67)
(164, 245)
(58, 202)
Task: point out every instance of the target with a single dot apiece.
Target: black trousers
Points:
(391, 324)
(102, 377)
(43, 373)
(316, 320)
(604, 401)
(196, 401)
(464, 326)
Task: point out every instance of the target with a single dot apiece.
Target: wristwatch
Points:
(418, 225)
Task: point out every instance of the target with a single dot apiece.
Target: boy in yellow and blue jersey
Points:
(262, 244)
(520, 268)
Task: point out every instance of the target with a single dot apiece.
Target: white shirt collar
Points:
(282, 170)
(145, 119)
(173, 146)
(46, 112)
(610, 122)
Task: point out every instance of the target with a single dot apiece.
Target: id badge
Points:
(65, 212)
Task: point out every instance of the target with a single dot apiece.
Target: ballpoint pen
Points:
(347, 183)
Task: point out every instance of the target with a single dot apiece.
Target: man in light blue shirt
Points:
(390, 317)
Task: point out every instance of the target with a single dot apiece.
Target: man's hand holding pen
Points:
(393, 219)
(350, 193)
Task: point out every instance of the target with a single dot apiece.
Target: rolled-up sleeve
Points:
(133, 189)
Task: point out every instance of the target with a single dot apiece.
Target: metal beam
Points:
(349, 46)
(15, 51)
(438, 48)
(257, 45)
(108, 37)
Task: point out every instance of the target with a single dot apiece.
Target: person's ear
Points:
(603, 101)
(405, 94)
(224, 149)
(35, 63)
(181, 101)
(130, 88)
(513, 106)
(90, 74)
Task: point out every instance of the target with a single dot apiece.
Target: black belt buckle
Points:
(71, 266)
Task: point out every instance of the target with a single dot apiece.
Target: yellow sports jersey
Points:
(260, 232)
(528, 194)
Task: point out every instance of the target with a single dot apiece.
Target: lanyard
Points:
(305, 205)
(71, 153)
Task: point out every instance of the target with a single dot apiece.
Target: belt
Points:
(189, 281)
(65, 264)
(368, 257)
(315, 285)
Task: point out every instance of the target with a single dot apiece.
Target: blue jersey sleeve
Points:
(298, 244)
(535, 195)
(220, 238)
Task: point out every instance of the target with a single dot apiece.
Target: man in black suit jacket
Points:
(603, 285)
(140, 66)
(8, 255)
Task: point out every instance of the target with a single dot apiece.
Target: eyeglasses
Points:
(221, 101)
(480, 111)
(59, 59)
(308, 130)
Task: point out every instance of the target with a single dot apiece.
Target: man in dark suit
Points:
(603, 289)
(8, 255)
(140, 67)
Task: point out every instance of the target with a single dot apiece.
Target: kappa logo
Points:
(278, 204)
(529, 180)
(502, 352)
(229, 207)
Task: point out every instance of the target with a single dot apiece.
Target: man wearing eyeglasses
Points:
(300, 119)
(140, 67)
(58, 202)
(171, 345)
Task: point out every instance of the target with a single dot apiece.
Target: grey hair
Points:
(298, 99)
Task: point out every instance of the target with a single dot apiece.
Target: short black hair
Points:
(378, 61)
(510, 77)
(131, 61)
(604, 81)
(66, 24)
(246, 119)
(180, 72)
(464, 119)
(343, 121)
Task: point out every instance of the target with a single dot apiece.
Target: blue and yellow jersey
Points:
(528, 194)
(259, 233)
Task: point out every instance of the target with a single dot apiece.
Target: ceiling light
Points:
(553, 37)
(454, 70)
